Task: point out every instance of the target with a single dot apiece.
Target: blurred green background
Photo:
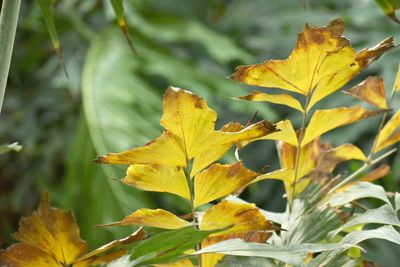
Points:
(112, 99)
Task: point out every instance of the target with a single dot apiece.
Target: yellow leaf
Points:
(189, 134)
(372, 91)
(158, 218)
(158, 178)
(285, 133)
(321, 63)
(50, 238)
(165, 150)
(220, 180)
(282, 99)
(388, 135)
(52, 231)
(180, 263)
(242, 218)
(397, 80)
(331, 158)
(325, 120)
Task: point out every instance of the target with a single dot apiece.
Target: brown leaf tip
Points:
(100, 159)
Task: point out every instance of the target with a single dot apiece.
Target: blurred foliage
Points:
(112, 99)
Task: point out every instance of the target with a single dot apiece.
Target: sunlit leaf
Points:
(220, 180)
(321, 63)
(46, 7)
(372, 91)
(189, 134)
(282, 99)
(241, 218)
(159, 178)
(389, 134)
(382, 215)
(397, 80)
(10, 147)
(154, 218)
(389, 7)
(328, 119)
(285, 133)
(357, 191)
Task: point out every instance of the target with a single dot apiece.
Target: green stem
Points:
(8, 27)
(193, 208)
(298, 150)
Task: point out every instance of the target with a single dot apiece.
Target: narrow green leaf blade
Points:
(386, 232)
(389, 7)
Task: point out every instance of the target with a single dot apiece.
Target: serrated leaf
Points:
(282, 99)
(358, 191)
(321, 63)
(382, 215)
(189, 134)
(220, 180)
(372, 91)
(326, 120)
(158, 178)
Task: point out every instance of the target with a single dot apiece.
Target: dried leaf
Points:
(158, 178)
(282, 99)
(220, 180)
(158, 218)
(389, 134)
(328, 119)
(372, 91)
(321, 63)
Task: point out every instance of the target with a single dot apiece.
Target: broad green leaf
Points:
(220, 180)
(165, 247)
(389, 134)
(158, 218)
(321, 63)
(372, 91)
(282, 99)
(358, 191)
(158, 178)
(382, 215)
(386, 232)
(389, 7)
(291, 254)
(189, 134)
(326, 120)
(46, 6)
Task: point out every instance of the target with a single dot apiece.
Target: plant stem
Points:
(8, 27)
(360, 170)
(298, 150)
(193, 209)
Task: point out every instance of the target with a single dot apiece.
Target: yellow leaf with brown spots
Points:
(321, 63)
(389, 134)
(281, 99)
(158, 218)
(372, 91)
(189, 135)
(326, 120)
(50, 238)
(243, 220)
(220, 180)
(158, 178)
